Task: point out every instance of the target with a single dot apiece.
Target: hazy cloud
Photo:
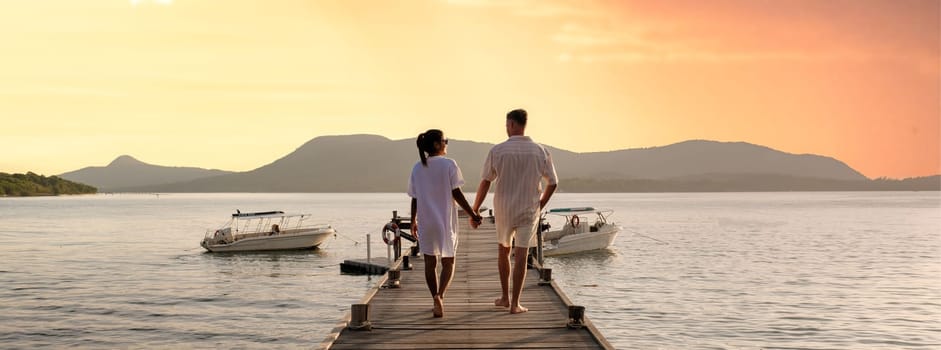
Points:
(536, 8)
(158, 2)
(63, 90)
(736, 30)
(639, 43)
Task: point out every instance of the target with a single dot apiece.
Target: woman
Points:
(434, 186)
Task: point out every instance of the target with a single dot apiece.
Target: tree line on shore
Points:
(32, 184)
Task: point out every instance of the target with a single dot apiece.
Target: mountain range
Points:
(371, 163)
(128, 172)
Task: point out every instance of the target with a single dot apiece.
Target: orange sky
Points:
(237, 84)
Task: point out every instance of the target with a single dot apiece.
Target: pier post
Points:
(539, 246)
(359, 318)
(397, 247)
(394, 279)
(406, 264)
(389, 255)
(545, 277)
(368, 249)
(396, 242)
(576, 317)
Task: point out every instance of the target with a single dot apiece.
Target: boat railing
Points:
(219, 235)
(241, 227)
(210, 233)
(275, 223)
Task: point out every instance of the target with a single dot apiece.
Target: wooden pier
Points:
(397, 312)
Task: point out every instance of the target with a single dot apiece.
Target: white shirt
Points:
(517, 167)
(437, 213)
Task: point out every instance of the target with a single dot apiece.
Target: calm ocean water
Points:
(838, 270)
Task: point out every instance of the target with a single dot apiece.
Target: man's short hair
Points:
(518, 116)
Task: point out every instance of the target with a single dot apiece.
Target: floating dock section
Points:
(374, 266)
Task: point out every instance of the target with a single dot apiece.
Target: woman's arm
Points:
(414, 224)
(459, 197)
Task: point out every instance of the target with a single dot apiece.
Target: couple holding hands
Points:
(516, 167)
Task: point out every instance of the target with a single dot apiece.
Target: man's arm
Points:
(546, 195)
(414, 224)
(481, 194)
(552, 179)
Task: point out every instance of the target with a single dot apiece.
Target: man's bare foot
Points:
(518, 309)
(438, 310)
(501, 302)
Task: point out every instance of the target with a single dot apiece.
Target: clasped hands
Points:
(476, 219)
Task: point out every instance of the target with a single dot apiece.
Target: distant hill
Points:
(751, 183)
(354, 163)
(127, 172)
(697, 158)
(370, 163)
(31, 184)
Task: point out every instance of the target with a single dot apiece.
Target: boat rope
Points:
(652, 238)
(337, 234)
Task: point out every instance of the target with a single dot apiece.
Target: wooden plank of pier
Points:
(401, 318)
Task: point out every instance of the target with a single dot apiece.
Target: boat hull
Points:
(284, 241)
(581, 242)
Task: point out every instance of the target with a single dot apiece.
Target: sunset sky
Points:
(237, 84)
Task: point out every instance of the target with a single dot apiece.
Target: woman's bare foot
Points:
(438, 311)
(501, 302)
(518, 309)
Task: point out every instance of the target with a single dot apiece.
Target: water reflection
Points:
(288, 255)
(590, 259)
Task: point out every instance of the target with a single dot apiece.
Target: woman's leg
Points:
(447, 271)
(431, 277)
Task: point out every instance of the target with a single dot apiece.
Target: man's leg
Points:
(519, 276)
(503, 264)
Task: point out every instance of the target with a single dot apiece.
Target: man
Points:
(518, 165)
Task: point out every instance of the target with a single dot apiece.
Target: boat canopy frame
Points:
(264, 221)
(568, 213)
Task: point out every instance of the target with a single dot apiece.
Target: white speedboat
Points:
(270, 230)
(585, 229)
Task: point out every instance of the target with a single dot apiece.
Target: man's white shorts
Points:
(525, 234)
